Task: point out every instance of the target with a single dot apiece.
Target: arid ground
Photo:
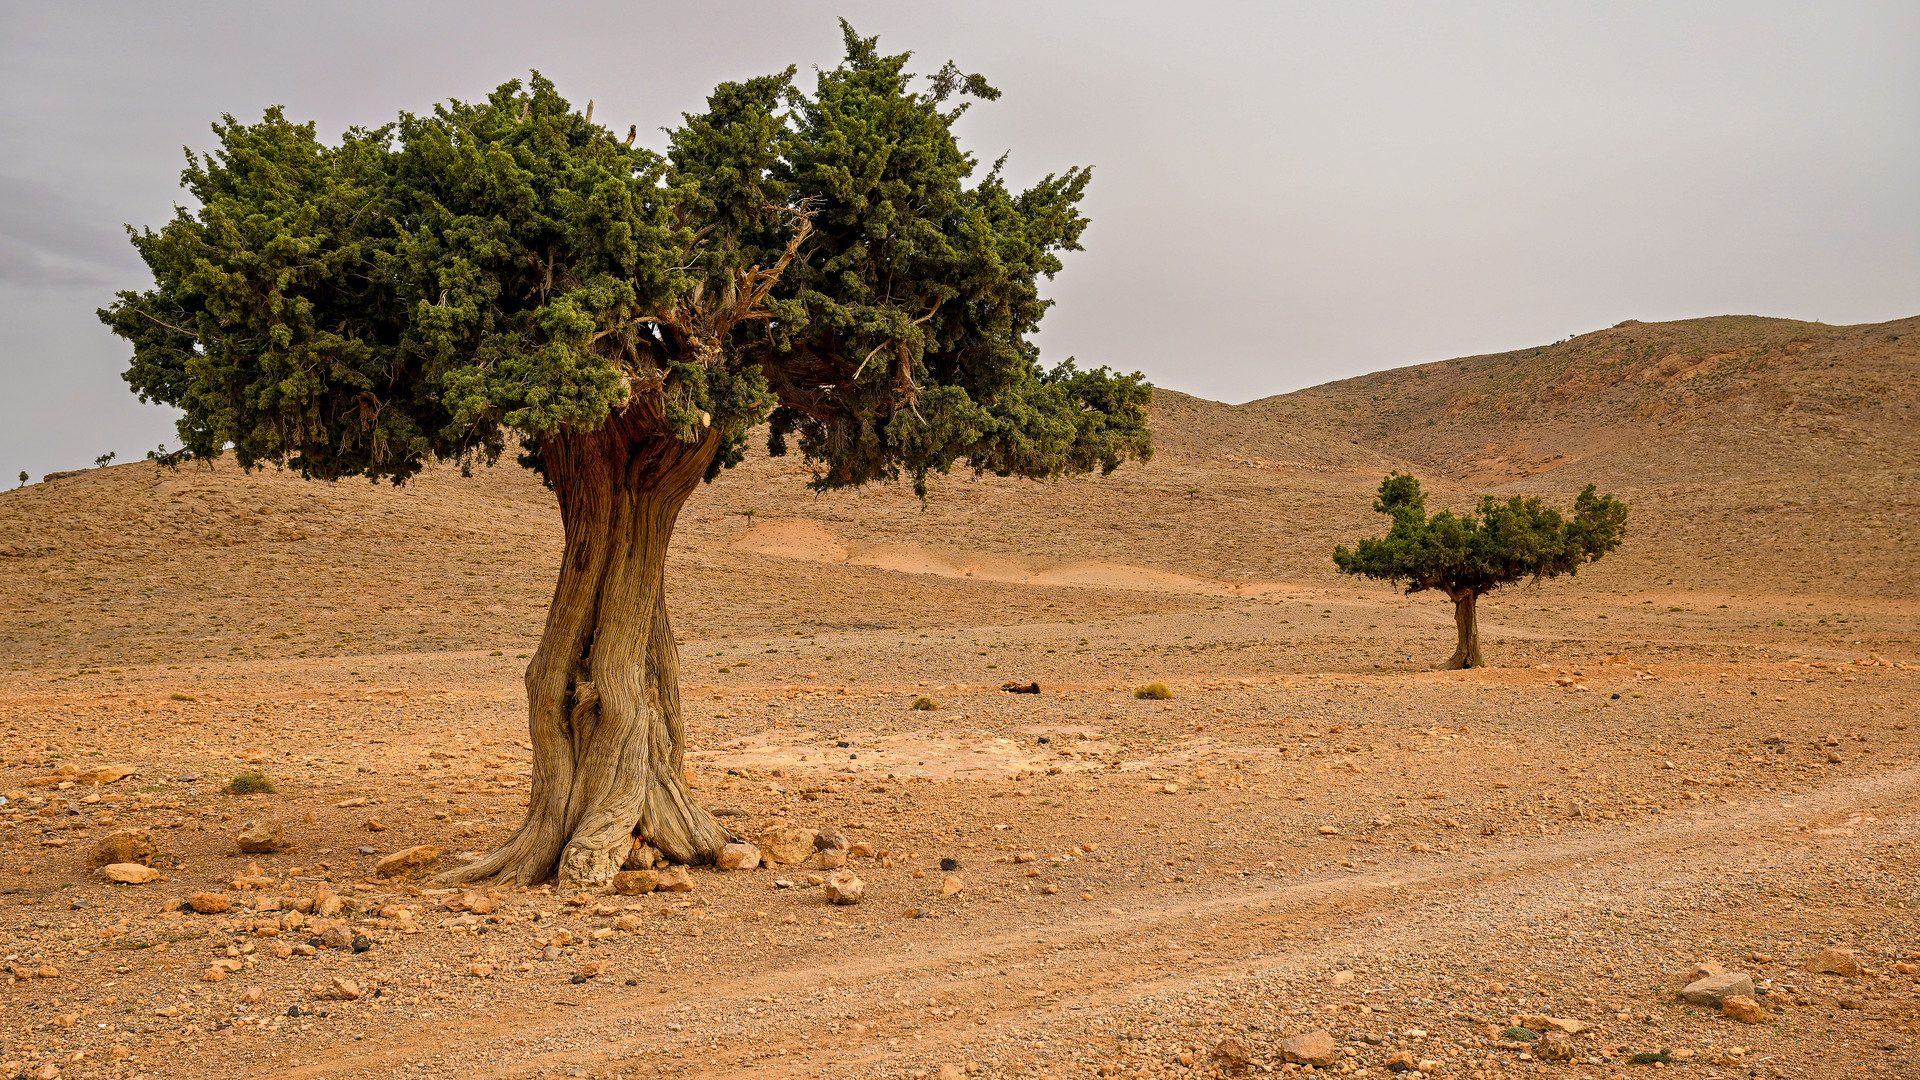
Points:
(1703, 749)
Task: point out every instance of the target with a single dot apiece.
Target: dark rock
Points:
(949, 864)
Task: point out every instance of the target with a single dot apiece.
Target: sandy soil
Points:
(1702, 749)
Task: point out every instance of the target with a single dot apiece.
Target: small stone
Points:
(376, 825)
(830, 837)
(1554, 1046)
(860, 850)
(125, 846)
(260, 836)
(119, 1052)
(1315, 1048)
(1328, 830)
(1744, 1009)
(593, 969)
(130, 873)
(786, 845)
(845, 887)
(408, 861)
(1714, 989)
(1902, 967)
(1705, 969)
(336, 937)
(480, 971)
(1342, 978)
(830, 859)
(1835, 962)
(1050, 890)
(478, 902)
(738, 857)
(345, 989)
(642, 857)
(636, 882)
(951, 886)
(949, 865)
(1232, 1053)
(1402, 1061)
(675, 879)
(209, 903)
(106, 774)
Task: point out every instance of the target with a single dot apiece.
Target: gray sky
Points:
(1283, 193)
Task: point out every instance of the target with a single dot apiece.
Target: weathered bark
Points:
(1467, 653)
(603, 688)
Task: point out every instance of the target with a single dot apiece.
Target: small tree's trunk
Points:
(1467, 653)
(603, 689)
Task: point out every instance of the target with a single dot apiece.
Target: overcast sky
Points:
(1283, 193)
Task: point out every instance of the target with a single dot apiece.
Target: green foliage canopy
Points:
(426, 289)
(1495, 544)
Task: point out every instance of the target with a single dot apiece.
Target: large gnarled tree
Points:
(828, 263)
(1468, 555)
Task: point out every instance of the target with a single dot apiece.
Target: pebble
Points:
(675, 879)
(1714, 989)
(408, 860)
(130, 873)
(1315, 1048)
(345, 989)
(786, 844)
(738, 857)
(1835, 962)
(951, 886)
(260, 836)
(124, 846)
(636, 882)
(209, 903)
(1744, 1009)
(844, 887)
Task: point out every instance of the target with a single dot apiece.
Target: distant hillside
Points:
(1734, 379)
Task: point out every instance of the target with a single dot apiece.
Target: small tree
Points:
(1469, 554)
(23, 478)
(103, 460)
(828, 261)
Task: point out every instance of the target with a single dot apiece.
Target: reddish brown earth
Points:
(1702, 749)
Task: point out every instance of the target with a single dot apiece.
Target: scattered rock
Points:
(106, 774)
(845, 887)
(1328, 830)
(1543, 1022)
(1342, 978)
(408, 861)
(1705, 969)
(1714, 989)
(124, 846)
(480, 971)
(1232, 1053)
(1835, 962)
(951, 886)
(1744, 1009)
(786, 844)
(260, 836)
(130, 873)
(830, 837)
(209, 903)
(636, 882)
(1554, 1046)
(1315, 1048)
(345, 989)
(1402, 1061)
(830, 859)
(675, 879)
(738, 857)
(642, 857)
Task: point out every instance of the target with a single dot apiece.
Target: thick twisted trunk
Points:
(603, 689)
(1467, 653)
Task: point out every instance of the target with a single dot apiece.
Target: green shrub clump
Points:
(251, 783)
(925, 703)
(1648, 1057)
(1522, 1034)
(1153, 691)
